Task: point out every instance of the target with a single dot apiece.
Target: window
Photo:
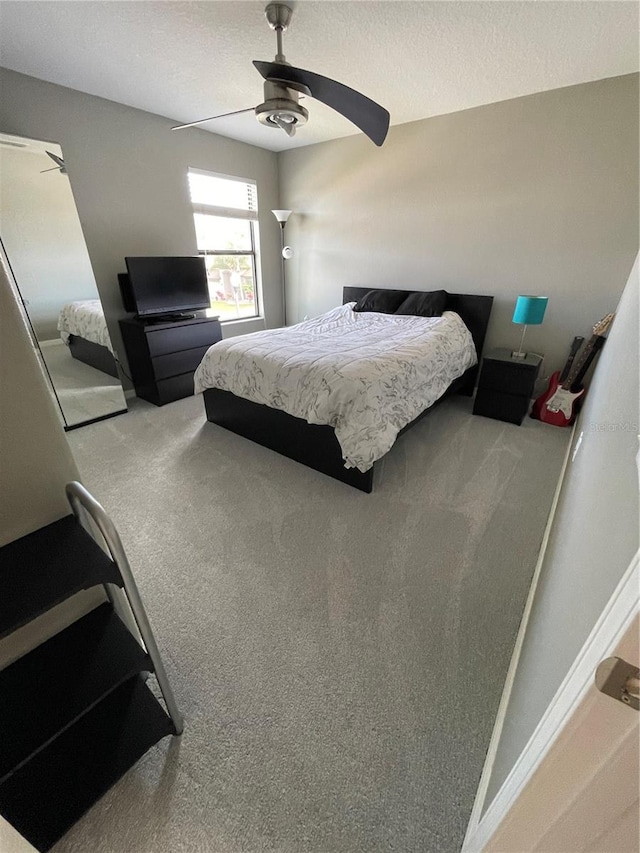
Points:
(225, 213)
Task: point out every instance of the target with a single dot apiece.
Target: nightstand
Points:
(505, 386)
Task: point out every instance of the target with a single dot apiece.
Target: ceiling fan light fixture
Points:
(276, 112)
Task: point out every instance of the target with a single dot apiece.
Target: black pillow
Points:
(430, 304)
(382, 301)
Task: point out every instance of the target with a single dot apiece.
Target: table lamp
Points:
(530, 312)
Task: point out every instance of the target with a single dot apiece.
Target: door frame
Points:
(614, 621)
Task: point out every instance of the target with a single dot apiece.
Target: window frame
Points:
(249, 215)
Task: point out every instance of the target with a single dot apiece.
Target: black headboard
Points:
(474, 310)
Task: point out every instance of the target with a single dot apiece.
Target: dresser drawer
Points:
(174, 388)
(175, 363)
(508, 376)
(502, 407)
(163, 358)
(189, 336)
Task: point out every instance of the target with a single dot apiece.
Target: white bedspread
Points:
(366, 374)
(84, 319)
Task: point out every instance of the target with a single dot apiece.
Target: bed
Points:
(314, 429)
(83, 328)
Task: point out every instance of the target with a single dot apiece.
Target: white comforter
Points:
(367, 375)
(85, 319)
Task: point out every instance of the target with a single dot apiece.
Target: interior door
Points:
(575, 787)
(584, 796)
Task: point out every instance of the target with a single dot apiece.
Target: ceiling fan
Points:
(284, 85)
(59, 167)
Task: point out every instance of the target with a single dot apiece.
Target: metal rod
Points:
(279, 54)
(79, 497)
(211, 118)
(520, 353)
(524, 332)
(284, 289)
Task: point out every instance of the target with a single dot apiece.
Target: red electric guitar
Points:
(559, 403)
(557, 378)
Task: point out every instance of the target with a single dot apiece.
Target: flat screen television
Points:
(167, 286)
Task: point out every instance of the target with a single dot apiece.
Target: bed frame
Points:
(93, 354)
(316, 445)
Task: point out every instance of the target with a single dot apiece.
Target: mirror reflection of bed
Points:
(42, 242)
(85, 392)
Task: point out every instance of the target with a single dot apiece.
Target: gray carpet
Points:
(339, 657)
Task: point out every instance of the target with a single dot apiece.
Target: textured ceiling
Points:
(188, 60)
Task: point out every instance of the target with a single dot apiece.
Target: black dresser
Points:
(505, 386)
(163, 356)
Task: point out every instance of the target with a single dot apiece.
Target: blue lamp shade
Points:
(530, 310)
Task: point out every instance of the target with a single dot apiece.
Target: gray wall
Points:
(593, 539)
(35, 459)
(35, 462)
(533, 195)
(537, 195)
(128, 173)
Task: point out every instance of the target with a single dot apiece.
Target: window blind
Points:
(220, 195)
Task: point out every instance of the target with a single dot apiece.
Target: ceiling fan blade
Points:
(56, 159)
(370, 117)
(211, 118)
(289, 129)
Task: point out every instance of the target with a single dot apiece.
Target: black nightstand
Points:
(506, 385)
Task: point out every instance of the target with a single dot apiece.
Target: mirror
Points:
(44, 245)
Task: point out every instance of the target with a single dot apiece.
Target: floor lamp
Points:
(282, 216)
